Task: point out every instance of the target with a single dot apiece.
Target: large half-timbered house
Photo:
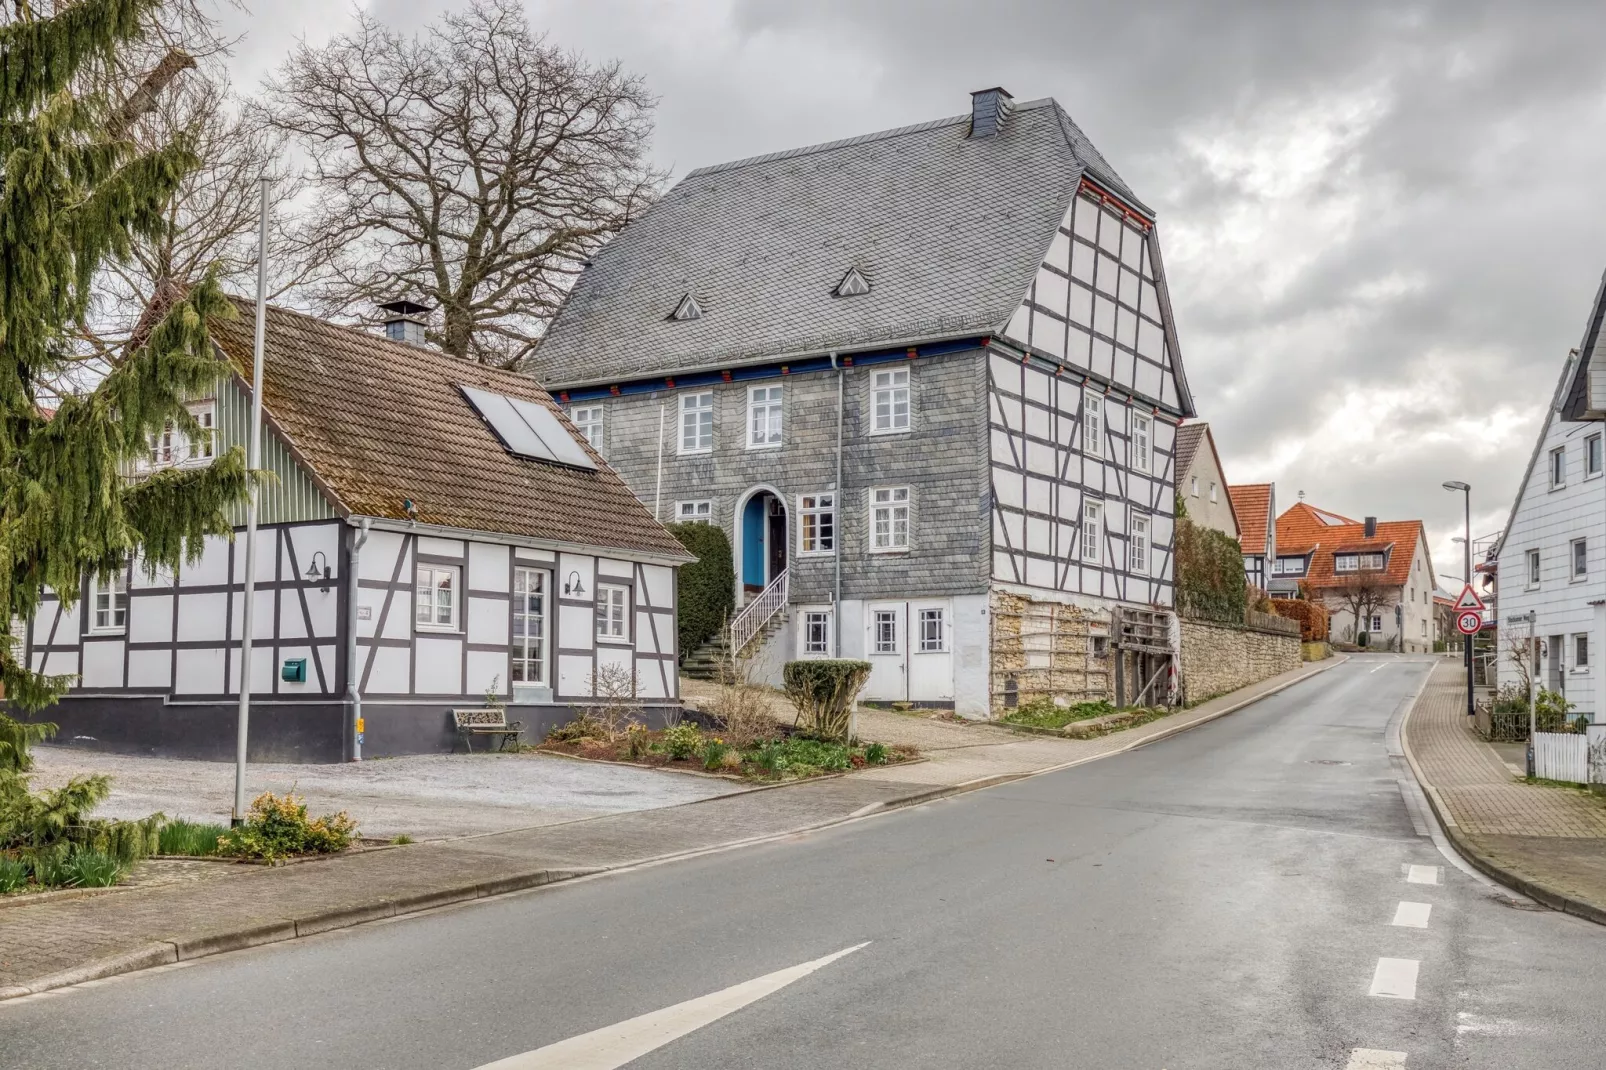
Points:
(927, 379)
(432, 532)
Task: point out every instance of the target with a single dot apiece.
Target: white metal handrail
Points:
(758, 613)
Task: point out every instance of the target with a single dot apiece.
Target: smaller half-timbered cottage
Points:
(432, 532)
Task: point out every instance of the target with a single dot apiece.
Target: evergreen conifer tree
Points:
(73, 194)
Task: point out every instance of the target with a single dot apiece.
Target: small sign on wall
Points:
(365, 612)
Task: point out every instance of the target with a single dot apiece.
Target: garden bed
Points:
(689, 748)
(1082, 720)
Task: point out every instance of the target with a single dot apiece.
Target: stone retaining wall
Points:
(1218, 658)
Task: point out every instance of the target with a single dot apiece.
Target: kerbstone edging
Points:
(1535, 890)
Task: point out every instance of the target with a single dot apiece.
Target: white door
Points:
(886, 645)
(930, 651)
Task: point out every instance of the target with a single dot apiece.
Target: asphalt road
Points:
(1224, 898)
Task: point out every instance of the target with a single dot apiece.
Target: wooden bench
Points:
(486, 721)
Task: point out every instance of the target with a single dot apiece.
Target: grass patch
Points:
(401, 840)
(1544, 782)
(789, 758)
(188, 838)
(1045, 713)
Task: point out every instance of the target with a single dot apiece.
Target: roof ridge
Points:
(860, 139)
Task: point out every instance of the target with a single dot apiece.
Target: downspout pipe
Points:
(836, 596)
(353, 678)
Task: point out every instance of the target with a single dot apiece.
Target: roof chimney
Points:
(1371, 527)
(989, 108)
(405, 321)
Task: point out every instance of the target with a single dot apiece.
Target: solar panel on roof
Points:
(527, 429)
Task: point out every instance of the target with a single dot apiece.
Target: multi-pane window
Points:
(889, 518)
(816, 529)
(529, 626)
(1581, 650)
(588, 419)
(1138, 545)
(1377, 622)
(435, 607)
(764, 416)
(1092, 525)
(613, 608)
(108, 600)
(171, 446)
(697, 422)
(931, 631)
(1592, 458)
(889, 400)
(1143, 446)
(886, 631)
(1533, 568)
(1580, 558)
(1093, 425)
(1558, 466)
(1345, 563)
(1371, 561)
(817, 632)
(698, 512)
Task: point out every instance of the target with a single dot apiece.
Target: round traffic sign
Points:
(1469, 622)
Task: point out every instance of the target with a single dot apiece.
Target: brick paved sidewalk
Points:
(62, 941)
(1549, 842)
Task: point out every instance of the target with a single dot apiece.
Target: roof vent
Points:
(1371, 527)
(688, 309)
(852, 285)
(405, 321)
(989, 108)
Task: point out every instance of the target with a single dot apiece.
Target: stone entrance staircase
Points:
(750, 629)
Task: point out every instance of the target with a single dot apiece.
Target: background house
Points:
(1300, 531)
(1377, 579)
(434, 532)
(1200, 482)
(1255, 505)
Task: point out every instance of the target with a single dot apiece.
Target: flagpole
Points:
(253, 462)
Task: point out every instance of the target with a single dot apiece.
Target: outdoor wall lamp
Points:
(315, 571)
(573, 586)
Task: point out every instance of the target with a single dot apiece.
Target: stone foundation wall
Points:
(1218, 658)
(1047, 650)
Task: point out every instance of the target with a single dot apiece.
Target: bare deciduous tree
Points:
(1361, 595)
(474, 169)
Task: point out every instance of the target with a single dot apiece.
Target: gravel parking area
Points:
(425, 796)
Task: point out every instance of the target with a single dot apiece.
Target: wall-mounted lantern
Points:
(573, 586)
(316, 571)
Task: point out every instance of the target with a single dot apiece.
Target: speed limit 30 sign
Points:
(1469, 622)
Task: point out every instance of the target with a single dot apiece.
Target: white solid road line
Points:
(1373, 1059)
(1412, 915)
(1395, 978)
(1422, 875)
(615, 1045)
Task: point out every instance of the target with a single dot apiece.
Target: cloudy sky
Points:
(1383, 223)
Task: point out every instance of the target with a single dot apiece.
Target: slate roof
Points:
(1592, 352)
(376, 422)
(1252, 503)
(1401, 535)
(1188, 438)
(948, 230)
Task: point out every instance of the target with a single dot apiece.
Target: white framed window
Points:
(1533, 569)
(108, 603)
(1581, 650)
(932, 632)
(588, 420)
(1377, 623)
(763, 417)
(1592, 456)
(1143, 445)
(697, 512)
(1558, 467)
(1580, 558)
(436, 607)
(1092, 526)
(889, 401)
(1212, 492)
(886, 631)
(613, 613)
(1424, 629)
(889, 519)
(1371, 561)
(529, 626)
(1138, 546)
(697, 422)
(816, 529)
(817, 633)
(1093, 425)
(171, 447)
(1193, 486)
(1345, 563)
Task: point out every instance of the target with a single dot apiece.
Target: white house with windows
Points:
(434, 532)
(1551, 557)
(917, 376)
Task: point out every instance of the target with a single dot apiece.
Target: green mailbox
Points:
(294, 670)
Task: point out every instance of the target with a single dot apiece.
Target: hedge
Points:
(706, 592)
(823, 691)
(1209, 573)
(1313, 618)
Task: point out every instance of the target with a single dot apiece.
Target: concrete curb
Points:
(1538, 891)
(191, 948)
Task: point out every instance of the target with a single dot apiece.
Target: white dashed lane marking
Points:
(1422, 874)
(1412, 915)
(1395, 978)
(1373, 1059)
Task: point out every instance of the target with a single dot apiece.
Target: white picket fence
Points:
(1562, 756)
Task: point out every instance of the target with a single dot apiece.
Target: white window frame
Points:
(113, 619)
(1138, 547)
(455, 589)
(765, 409)
(1346, 563)
(1092, 532)
(1212, 492)
(697, 511)
(1193, 486)
(1142, 443)
(696, 423)
(172, 448)
(1558, 468)
(1093, 424)
(1371, 562)
(1580, 652)
(1531, 574)
(811, 508)
(926, 616)
(822, 618)
(517, 645)
(1376, 624)
(877, 646)
(587, 419)
(890, 506)
(891, 386)
(1594, 455)
(612, 611)
(1572, 560)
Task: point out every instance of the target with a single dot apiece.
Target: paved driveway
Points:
(425, 796)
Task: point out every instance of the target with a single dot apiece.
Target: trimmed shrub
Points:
(278, 827)
(1313, 617)
(706, 590)
(823, 692)
(682, 741)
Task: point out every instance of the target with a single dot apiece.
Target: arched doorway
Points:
(759, 541)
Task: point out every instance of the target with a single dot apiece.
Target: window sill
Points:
(892, 431)
(694, 453)
(888, 550)
(105, 633)
(437, 629)
(765, 445)
(613, 640)
(1592, 475)
(816, 553)
(919, 652)
(1558, 486)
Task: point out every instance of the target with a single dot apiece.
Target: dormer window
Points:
(688, 309)
(171, 447)
(852, 285)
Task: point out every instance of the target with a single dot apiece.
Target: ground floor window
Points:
(817, 632)
(109, 601)
(886, 631)
(1377, 623)
(931, 631)
(436, 608)
(1581, 650)
(529, 626)
(613, 603)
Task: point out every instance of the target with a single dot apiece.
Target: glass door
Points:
(529, 626)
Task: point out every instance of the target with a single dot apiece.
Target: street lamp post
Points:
(1466, 496)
